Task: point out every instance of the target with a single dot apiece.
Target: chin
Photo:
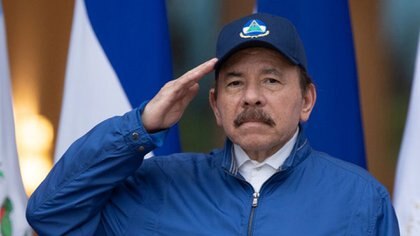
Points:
(250, 142)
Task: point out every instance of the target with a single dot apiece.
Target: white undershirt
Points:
(256, 173)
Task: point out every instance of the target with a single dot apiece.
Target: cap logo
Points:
(254, 29)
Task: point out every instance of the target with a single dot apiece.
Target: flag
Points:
(335, 125)
(119, 56)
(12, 195)
(407, 186)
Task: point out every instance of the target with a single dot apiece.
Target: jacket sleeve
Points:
(386, 222)
(373, 214)
(70, 199)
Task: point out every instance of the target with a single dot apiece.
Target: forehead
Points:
(254, 56)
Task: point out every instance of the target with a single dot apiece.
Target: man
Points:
(267, 180)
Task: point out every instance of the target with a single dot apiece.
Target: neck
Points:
(261, 156)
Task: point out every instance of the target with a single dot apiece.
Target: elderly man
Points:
(266, 180)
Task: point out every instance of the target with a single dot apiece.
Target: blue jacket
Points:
(102, 186)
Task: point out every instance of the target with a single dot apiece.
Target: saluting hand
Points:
(168, 105)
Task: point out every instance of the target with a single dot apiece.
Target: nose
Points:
(253, 96)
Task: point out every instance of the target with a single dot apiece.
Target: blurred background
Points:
(385, 35)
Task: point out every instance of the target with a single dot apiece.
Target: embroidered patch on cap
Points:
(254, 29)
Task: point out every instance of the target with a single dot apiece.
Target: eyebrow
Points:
(271, 71)
(233, 74)
(265, 71)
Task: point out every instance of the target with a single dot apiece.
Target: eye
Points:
(271, 81)
(234, 83)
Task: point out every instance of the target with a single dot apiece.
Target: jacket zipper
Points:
(255, 197)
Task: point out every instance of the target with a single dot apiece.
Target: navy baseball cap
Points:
(261, 30)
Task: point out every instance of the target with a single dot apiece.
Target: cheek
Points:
(219, 113)
(289, 112)
(226, 117)
(226, 106)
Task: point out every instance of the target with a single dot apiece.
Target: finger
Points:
(194, 75)
(192, 92)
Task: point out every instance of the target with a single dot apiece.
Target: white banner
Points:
(12, 195)
(407, 182)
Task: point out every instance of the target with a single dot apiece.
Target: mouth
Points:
(252, 115)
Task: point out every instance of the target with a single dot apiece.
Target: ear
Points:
(309, 99)
(213, 104)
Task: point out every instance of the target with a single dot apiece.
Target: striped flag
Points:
(335, 125)
(119, 56)
(407, 185)
(12, 195)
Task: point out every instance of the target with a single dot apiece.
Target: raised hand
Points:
(168, 105)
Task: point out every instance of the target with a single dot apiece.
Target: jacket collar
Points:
(299, 152)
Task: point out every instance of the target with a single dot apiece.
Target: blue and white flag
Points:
(407, 185)
(335, 125)
(119, 56)
(12, 195)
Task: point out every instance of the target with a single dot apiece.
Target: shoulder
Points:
(349, 173)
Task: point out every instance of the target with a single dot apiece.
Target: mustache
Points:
(253, 115)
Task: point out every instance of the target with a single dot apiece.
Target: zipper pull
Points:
(255, 197)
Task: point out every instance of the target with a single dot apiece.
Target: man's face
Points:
(259, 101)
